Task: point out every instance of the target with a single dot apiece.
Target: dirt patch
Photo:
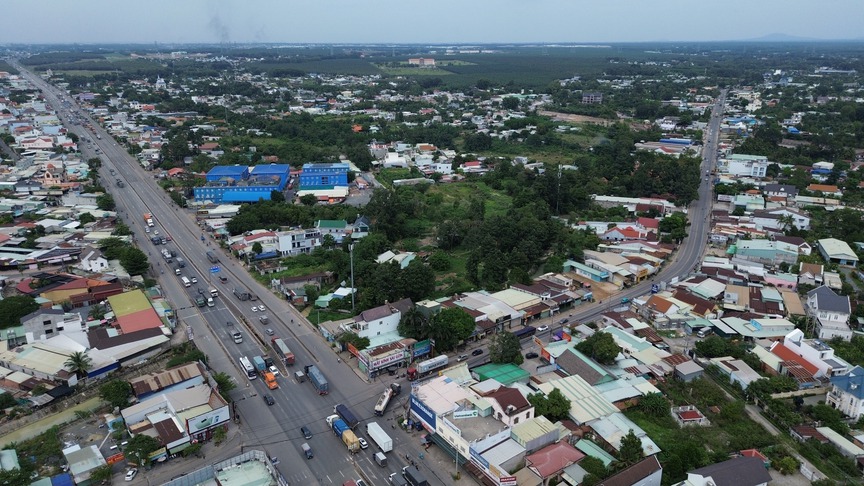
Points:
(571, 118)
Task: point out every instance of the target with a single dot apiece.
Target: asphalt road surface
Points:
(274, 429)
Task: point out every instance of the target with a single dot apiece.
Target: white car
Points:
(146, 230)
(261, 307)
(254, 308)
(274, 370)
(363, 443)
(156, 233)
(130, 474)
(194, 280)
(542, 328)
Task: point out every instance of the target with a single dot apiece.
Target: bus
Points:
(525, 332)
(250, 370)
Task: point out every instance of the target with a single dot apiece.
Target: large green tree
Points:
(13, 308)
(79, 363)
(505, 347)
(601, 346)
(225, 384)
(554, 406)
(139, 448)
(134, 261)
(631, 450)
(116, 392)
(450, 327)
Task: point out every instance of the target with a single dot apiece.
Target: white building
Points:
(743, 165)
(299, 241)
(818, 353)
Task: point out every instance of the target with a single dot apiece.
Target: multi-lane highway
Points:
(275, 429)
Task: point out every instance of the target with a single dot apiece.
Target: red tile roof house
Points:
(550, 461)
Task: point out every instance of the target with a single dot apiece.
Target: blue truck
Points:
(347, 415)
(317, 379)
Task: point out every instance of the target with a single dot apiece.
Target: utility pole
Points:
(351, 252)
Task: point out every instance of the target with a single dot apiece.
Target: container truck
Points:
(384, 400)
(377, 434)
(270, 380)
(211, 255)
(258, 361)
(317, 379)
(181, 262)
(282, 350)
(347, 415)
(148, 218)
(341, 429)
(241, 293)
(423, 368)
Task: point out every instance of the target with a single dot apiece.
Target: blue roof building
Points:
(324, 176)
(847, 393)
(238, 184)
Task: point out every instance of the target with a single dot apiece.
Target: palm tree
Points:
(79, 363)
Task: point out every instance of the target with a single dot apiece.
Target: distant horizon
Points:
(479, 22)
(769, 39)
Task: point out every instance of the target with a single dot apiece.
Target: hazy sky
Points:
(436, 21)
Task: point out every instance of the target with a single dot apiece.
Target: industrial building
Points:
(238, 184)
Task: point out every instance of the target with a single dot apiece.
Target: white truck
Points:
(377, 434)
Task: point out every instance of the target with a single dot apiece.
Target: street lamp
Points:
(351, 252)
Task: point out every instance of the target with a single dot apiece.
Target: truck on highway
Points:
(341, 429)
(148, 218)
(213, 292)
(211, 255)
(282, 351)
(377, 434)
(423, 368)
(259, 363)
(347, 415)
(238, 337)
(242, 293)
(200, 302)
(270, 380)
(317, 379)
(181, 262)
(384, 400)
(186, 282)
(414, 477)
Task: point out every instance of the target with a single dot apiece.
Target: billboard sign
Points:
(423, 412)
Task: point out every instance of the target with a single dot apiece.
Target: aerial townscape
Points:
(271, 263)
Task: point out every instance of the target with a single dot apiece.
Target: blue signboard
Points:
(422, 348)
(423, 412)
(215, 269)
(655, 288)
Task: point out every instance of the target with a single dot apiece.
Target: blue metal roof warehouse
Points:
(235, 183)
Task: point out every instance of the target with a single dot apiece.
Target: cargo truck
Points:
(377, 434)
(270, 380)
(181, 262)
(282, 350)
(258, 361)
(211, 255)
(242, 293)
(200, 302)
(148, 218)
(341, 429)
(213, 292)
(423, 368)
(384, 400)
(347, 415)
(317, 379)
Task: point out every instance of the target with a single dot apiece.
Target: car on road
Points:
(223, 278)
(564, 321)
(146, 230)
(531, 355)
(363, 443)
(268, 331)
(307, 434)
(543, 328)
(269, 400)
(461, 357)
(254, 308)
(274, 370)
(194, 279)
(261, 308)
(360, 482)
(130, 474)
(477, 352)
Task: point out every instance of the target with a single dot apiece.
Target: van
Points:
(307, 434)
(177, 271)
(300, 376)
(703, 332)
(307, 450)
(381, 459)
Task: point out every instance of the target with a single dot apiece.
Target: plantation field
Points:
(407, 70)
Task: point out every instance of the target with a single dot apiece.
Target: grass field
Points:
(412, 71)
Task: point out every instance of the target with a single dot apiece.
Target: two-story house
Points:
(297, 242)
(831, 312)
(510, 406)
(380, 320)
(847, 393)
